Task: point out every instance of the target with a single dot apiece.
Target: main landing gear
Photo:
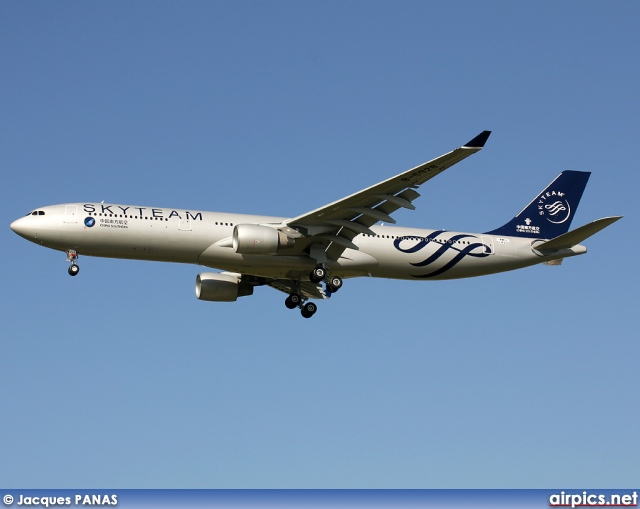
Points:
(296, 301)
(319, 274)
(72, 257)
(308, 309)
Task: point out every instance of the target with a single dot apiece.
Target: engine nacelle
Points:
(218, 287)
(257, 239)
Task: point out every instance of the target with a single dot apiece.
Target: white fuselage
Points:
(204, 238)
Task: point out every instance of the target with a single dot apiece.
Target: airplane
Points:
(308, 256)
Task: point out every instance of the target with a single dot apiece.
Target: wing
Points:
(331, 229)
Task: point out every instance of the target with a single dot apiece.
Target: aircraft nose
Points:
(15, 226)
(21, 227)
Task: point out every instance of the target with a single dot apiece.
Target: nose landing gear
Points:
(72, 257)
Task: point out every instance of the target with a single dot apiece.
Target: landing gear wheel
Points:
(73, 270)
(309, 309)
(292, 301)
(334, 284)
(318, 274)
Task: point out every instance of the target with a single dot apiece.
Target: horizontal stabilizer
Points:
(570, 239)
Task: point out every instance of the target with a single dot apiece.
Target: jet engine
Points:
(257, 239)
(218, 287)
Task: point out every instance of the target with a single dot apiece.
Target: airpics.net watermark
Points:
(586, 499)
(75, 500)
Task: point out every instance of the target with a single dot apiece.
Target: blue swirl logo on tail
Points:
(443, 246)
(554, 210)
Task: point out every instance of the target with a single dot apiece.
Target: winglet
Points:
(478, 141)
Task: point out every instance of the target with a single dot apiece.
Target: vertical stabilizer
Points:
(550, 213)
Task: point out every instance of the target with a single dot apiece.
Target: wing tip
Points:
(478, 141)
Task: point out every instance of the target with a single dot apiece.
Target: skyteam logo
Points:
(442, 252)
(554, 207)
(89, 222)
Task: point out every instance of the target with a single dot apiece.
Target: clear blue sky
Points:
(122, 378)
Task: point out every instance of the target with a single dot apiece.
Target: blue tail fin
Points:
(550, 213)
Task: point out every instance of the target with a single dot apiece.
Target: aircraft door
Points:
(71, 214)
(487, 244)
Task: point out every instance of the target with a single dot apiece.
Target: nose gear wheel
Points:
(72, 257)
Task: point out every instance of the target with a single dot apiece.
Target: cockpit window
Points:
(36, 213)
